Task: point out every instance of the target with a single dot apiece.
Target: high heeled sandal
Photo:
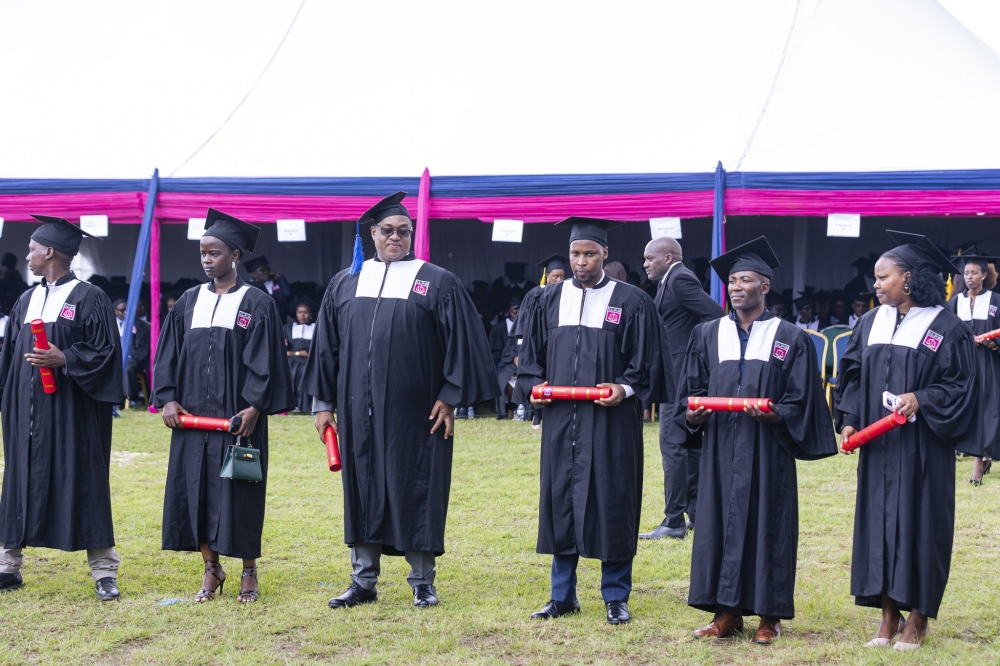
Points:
(885, 642)
(249, 596)
(987, 464)
(206, 594)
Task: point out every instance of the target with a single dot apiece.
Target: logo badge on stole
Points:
(243, 319)
(420, 287)
(613, 315)
(780, 350)
(68, 312)
(993, 310)
(933, 340)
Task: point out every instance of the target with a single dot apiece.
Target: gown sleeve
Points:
(14, 327)
(166, 367)
(268, 384)
(95, 363)
(805, 417)
(470, 375)
(946, 406)
(646, 351)
(847, 394)
(323, 363)
(531, 359)
(693, 382)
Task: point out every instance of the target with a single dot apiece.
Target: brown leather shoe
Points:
(723, 624)
(768, 631)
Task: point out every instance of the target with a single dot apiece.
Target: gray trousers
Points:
(680, 476)
(103, 562)
(366, 561)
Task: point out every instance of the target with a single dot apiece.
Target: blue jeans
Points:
(616, 579)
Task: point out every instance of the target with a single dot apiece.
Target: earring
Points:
(234, 265)
(906, 289)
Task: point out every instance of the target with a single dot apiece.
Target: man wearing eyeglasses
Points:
(138, 357)
(398, 344)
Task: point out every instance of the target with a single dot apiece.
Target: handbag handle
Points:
(239, 439)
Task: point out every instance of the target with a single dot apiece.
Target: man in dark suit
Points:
(683, 304)
(273, 284)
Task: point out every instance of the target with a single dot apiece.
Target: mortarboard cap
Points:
(556, 262)
(236, 234)
(118, 300)
(802, 301)
(253, 264)
(589, 228)
(918, 250)
(756, 256)
(387, 207)
(980, 260)
(59, 234)
(862, 296)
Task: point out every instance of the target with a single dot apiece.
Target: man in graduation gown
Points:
(592, 331)
(682, 304)
(743, 558)
(221, 354)
(397, 340)
(57, 446)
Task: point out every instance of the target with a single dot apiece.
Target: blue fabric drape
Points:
(139, 267)
(718, 295)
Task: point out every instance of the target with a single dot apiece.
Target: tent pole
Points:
(139, 267)
(422, 238)
(154, 295)
(718, 290)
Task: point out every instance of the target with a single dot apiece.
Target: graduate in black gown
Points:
(979, 307)
(57, 446)
(912, 348)
(592, 331)
(298, 337)
(744, 553)
(221, 354)
(398, 344)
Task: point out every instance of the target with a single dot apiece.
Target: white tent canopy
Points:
(114, 88)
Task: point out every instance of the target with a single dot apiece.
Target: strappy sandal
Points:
(987, 463)
(211, 567)
(248, 596)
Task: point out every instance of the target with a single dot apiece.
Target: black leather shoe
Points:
(689, 524)
(355, 595)
(424, 596)
(107, 589)
(618, 612)
(663, 531)
(555, 609)
(11, 582)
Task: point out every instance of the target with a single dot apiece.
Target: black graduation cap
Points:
(236, 234)
(756, 256)
(863, 296)
(306, 301)
(514, 302)
(510, 264)
(556, 262)
(253, 264)
(387, 207)
(59, 234)
(589, 228)
(118, 300)
(980, 260)
(918, 250)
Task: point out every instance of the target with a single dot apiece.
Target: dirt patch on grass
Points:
(120, 458)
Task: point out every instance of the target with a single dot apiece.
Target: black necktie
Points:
(659, 292)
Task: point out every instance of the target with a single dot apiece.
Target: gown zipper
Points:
(371, 404)
(576, 366)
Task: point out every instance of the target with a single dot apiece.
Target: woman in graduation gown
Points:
(221, 354)
(979, 307)
(298, 337)
(914, 354)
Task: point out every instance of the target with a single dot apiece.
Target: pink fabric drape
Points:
(422, 237)
(741, 201)
(120, 207)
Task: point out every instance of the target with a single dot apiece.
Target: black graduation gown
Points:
(592, 456)
(218, 354)
(498, 338)
(57, 447)
(389, 342)
(982, 318)
(904, 520)
(297, 364)
(746, 537)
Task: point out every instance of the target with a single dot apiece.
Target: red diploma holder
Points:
(989, 335)
(211, 423)
(41, 341)
(570, 393)
(729, 404)
(877, 429)
(332, 448)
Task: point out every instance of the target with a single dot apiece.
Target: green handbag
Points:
(242, 463)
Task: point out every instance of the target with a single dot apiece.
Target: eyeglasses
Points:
(389, 231)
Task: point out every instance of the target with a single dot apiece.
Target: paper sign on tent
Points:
(1, 227)
(291, 231)
(847, 225)
(508, 231)
(196, 228)
(665, 226)
(95, 225)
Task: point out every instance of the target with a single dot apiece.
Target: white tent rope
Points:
(774, 83)
(264, 71)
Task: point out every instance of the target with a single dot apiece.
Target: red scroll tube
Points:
(209, 423)
(41, 341)
(570, 393)
(729, 404)
(877, 429)
(989, 335)
(332, 448)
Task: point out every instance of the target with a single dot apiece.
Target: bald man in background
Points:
(682, 304)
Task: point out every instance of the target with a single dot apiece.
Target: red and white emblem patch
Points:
(420, 287)
(68, 312)
(780, 350)
(993, 310)
(933, 340)
(613, 315)
(243, 319)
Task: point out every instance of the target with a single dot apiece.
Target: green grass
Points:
(489, 582)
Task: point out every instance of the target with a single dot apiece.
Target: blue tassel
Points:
(359, 253)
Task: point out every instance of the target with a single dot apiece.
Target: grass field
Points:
(489, 582)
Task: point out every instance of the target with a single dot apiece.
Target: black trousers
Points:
(680, 477)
